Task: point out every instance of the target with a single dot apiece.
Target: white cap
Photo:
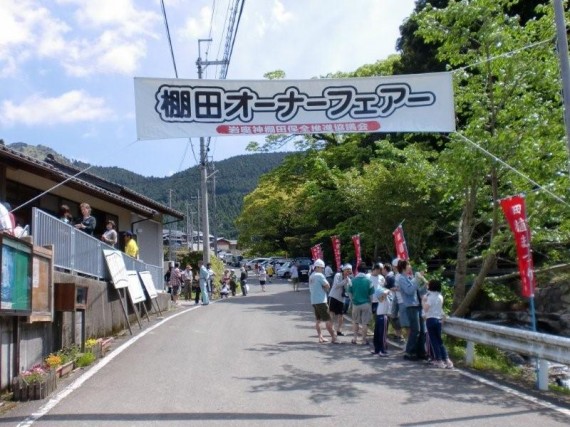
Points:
(395, 262)
(346, 267)
(320, 263)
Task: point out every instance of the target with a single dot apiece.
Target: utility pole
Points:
(214, 209)
(203, 163)
(198, 222)
(170, 227)
(562, 47)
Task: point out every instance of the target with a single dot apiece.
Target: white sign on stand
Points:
(148, 283)
(135, 288)
(117, 268)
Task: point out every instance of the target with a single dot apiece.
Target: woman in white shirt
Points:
(432, 304)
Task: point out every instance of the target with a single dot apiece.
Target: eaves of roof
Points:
(136, 202)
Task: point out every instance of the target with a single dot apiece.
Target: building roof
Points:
(83, 181)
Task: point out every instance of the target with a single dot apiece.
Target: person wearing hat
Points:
(131, 247)
(341, 282)
(318, 287)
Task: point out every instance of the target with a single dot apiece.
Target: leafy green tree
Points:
(506, 105)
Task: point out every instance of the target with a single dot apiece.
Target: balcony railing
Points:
(79, 253)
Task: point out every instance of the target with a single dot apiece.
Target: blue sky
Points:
(67, 66)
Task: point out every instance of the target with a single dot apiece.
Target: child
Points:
(224, 292)
(381, 326)
(432, 304)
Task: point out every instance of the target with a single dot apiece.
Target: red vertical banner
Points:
(320, 252)
(515, 212)
(336, 251)
(400, 242)
(356, 243)
(314, 252)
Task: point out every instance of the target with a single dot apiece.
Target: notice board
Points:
(117, 268)
(135, 288)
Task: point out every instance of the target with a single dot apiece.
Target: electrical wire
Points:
(511, 168)
(504, 55)
(169, 39)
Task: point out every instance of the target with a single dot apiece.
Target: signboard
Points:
(16, 276)
(148, 283)
(42, 285)
(117, 268)
(176, 108)
(135, 287)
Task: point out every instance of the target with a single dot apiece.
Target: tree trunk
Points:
(464, 230)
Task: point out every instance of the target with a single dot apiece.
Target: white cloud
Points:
(71, 107)
(103, 36)
(199, 27)
(280, 14)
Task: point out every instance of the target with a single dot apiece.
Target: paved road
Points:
(255, 361)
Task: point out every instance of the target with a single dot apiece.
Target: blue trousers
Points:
(434, 332)
(380, 332)
(417, 338)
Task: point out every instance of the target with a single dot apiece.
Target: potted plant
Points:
(94, 346)
(36, 383)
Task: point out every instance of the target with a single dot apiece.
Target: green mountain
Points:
(235, 178)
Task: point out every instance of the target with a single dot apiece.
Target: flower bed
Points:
(37, 383)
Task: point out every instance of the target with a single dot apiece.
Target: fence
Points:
(77, 252)
(542, 346)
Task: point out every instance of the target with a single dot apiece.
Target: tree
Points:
(505, 105)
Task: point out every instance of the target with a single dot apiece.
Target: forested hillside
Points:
(236, 177)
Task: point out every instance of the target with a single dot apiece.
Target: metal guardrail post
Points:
(543, 374)
(470, 353)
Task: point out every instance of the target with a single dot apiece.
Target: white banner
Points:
(175, 108)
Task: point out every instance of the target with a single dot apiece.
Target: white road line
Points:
(89, 373)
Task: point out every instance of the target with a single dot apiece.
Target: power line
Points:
(168, 35)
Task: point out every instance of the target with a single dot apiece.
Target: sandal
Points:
(323, 340)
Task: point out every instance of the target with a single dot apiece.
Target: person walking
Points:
(204, 277)
(262, 277)
(318, 287)
(295, 276)
(175, 282)
(360, 291)
(243, 281)
(187, 282)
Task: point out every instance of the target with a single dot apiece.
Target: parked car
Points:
(251, 264)
(285, 270)
(304, 266)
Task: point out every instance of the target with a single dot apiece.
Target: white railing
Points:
(541, 346)
(77, 252)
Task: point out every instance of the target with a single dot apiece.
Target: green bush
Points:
(85, 359)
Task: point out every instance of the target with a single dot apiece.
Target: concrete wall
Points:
(103, 318)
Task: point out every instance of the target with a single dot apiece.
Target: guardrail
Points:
(78, 252)
(542, 346)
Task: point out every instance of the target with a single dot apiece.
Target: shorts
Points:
(322, 312)
(404, 320)
(336, 306)
(176, 290)
(361, 314)
(295, 279)
(262, 282)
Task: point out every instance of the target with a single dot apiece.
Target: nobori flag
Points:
(175, 108)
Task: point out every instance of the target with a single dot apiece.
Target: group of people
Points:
(87, 223)
(406, 300)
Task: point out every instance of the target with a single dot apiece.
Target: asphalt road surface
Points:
(254, 361)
